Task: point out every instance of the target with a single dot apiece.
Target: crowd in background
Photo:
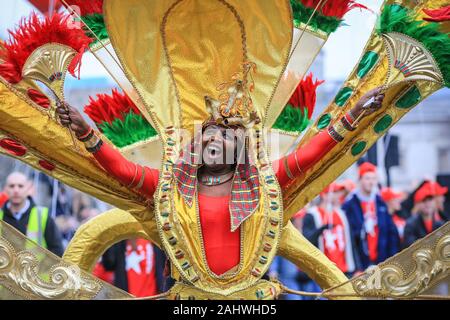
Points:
(355, 224)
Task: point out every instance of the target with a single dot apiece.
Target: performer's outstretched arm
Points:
(298, 162)
(133, 176)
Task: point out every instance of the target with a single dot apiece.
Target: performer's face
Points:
(219, 146)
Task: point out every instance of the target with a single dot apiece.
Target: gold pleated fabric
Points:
(159, 47)
(48, 147)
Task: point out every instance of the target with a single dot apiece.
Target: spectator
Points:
(374, 235)
(349, 188)
(67, 225)
(440, 193)
(326, 227)
(424, 222)
(21, 212)
(393, 201)
(287, 273)
(87, 214)
(138, 267)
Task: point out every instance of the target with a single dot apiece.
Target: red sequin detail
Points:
(13, 147)
(47, 165)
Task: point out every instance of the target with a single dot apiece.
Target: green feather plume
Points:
(396, 18)
(133, 128)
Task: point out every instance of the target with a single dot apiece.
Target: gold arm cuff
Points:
(130, 185)
(286, 167)
(296, 162)
(92, 142)
(340, 129)
(141, 181)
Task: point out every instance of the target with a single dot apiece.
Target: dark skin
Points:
(217, 142)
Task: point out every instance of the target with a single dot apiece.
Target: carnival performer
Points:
(375, 237)
(214, 178)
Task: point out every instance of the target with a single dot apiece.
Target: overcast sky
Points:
(342, 49)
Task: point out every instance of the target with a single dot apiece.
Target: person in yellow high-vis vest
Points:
(21, 212)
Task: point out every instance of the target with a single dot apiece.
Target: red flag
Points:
(44, 6)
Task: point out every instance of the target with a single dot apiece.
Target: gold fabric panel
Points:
(251, 240)
(44, 139)
(30, 272)
(173, 86)
(306, 45)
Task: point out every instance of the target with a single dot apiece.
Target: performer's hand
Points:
(375, 98)
(70, 117)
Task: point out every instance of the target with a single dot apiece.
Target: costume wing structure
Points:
(43, 50)
(315, 21)
(28, 134)
(419, 272)
(143, 147)
(410, 58)
(30, 272)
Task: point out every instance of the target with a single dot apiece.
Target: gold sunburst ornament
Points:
(48, 64)
(409, 60)
(43, 50)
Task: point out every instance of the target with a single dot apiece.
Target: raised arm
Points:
(131, 175)
(299, 161)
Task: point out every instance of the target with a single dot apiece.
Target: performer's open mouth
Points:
(214, 150)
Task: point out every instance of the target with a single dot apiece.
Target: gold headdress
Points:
(235, 105)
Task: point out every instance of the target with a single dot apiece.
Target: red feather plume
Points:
(305, 94)
(87, 7)
(334, 8)
(33, 33)
(107, 108)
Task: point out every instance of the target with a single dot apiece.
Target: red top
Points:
(428, 225)
(101, 273)
(221, 245)
(400, 223)
(371, 227)
(140, 267)
(334, 239)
